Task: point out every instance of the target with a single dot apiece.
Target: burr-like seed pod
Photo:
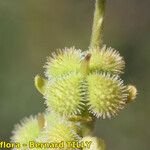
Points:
(107, 95)
(27, 130)
(66, 95)
(106, 60)
(59, 131)
(63, 62)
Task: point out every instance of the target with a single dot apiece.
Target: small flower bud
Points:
(40, 83)
(132, 93)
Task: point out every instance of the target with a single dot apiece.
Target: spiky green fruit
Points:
(52, 118)
(63, 62)
(107, 94)
(27, 130)
(66, 95)
(96, 143)
(58, 131)
(106, 60)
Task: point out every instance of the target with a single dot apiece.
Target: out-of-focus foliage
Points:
(31, 29)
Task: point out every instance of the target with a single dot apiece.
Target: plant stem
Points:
(97, 31)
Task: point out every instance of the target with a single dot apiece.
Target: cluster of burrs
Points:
(80, 86)
(85, 81)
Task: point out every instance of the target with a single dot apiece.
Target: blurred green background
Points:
(31, 29)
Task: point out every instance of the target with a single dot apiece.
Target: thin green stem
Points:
(97, 31)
